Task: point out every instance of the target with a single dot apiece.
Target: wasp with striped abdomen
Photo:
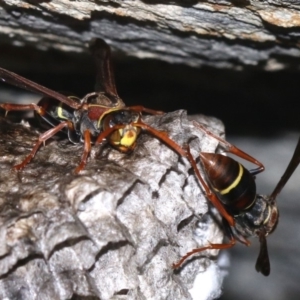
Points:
(232, 190)
(99, 116)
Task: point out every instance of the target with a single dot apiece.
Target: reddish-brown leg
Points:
(161, 135)
(20, 107)
(186, 153)
(233, 149)
(197, 250)
(104, 134)
(42, 138)
(229, 231)
(86, 151)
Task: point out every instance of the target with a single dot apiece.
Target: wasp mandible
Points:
(97, 117)
(232, 190)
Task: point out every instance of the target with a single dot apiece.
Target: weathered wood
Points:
(224, 34)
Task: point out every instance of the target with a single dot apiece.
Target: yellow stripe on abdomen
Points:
(235, 182)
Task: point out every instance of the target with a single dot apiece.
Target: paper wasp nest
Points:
(112, 232)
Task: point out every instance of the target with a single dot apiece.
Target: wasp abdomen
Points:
(232, 182)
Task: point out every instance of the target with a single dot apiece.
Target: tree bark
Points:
(223, 34)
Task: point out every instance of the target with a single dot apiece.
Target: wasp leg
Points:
(104, 134)
(161, 135)
(233, 149)
(231, 233)
(42, 138)
(232, 236)
(19, 107)
(197, 250)
(186, 153)
(86, 151)
(139, 108)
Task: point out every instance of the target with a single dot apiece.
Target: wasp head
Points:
(126, 132)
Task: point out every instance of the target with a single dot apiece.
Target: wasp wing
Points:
(263, 261)
(21, 82)
(105, 80)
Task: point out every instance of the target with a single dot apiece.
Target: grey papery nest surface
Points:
(112, 232)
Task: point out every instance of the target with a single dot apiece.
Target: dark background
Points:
(250, 101)
(260, 111)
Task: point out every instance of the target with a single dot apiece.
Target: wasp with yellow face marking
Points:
(99, 116)
(232, 190)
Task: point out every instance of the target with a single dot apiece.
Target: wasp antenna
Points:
(293, 164)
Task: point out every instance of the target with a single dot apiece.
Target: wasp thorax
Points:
(121, 117)
(262, 215)
(102, 99)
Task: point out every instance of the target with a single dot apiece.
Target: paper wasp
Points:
(232, 190)
(97, 117)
